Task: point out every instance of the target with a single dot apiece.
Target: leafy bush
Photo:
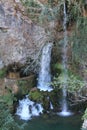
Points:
(7, 121)
(8, 98)
(73, 82)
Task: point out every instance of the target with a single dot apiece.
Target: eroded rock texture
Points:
(20, 38)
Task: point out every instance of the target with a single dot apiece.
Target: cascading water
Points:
(51, 106)
(27, 109)
(44, 78)
(65, 111)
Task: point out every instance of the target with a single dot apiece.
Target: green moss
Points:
(58, 66)
(45, 98)
(36, 96)
(25, 85)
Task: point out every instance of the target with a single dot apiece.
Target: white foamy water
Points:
(51, 106)
(44, 78)
(27, 109)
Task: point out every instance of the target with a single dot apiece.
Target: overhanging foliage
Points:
(7, 121)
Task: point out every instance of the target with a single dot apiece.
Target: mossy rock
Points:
(36, 96)
(46, 103)
(42, 97)
(54, 97)
(26, 84)
(23, 87)
(45, 98)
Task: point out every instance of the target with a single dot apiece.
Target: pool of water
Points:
(53, 123)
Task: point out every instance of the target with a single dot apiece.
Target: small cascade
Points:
(44, 78)
(27, 109)
(65, 111)
(51, 106)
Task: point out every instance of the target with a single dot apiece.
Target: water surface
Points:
(54, 123)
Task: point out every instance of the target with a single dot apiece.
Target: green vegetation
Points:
(8, 99)
(79, 42)
(85, 115)
(53, 9)
(73, 82)
(36, 96)
(45, 13)
(2, 72)
(23, 87)
(30, 3)
(7, 121)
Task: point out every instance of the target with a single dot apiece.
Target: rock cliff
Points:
(20, 38)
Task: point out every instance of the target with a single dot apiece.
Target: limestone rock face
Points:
(20, 38)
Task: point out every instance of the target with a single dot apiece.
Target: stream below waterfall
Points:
(53, 122)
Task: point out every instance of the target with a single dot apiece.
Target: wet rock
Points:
(54, 97)
(46, 103)
(36, 95)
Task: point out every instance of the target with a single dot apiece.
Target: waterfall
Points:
(51, 106)
(27, 109)
(65, 111)
(44, 78)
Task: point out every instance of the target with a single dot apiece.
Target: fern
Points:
(7, 121)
